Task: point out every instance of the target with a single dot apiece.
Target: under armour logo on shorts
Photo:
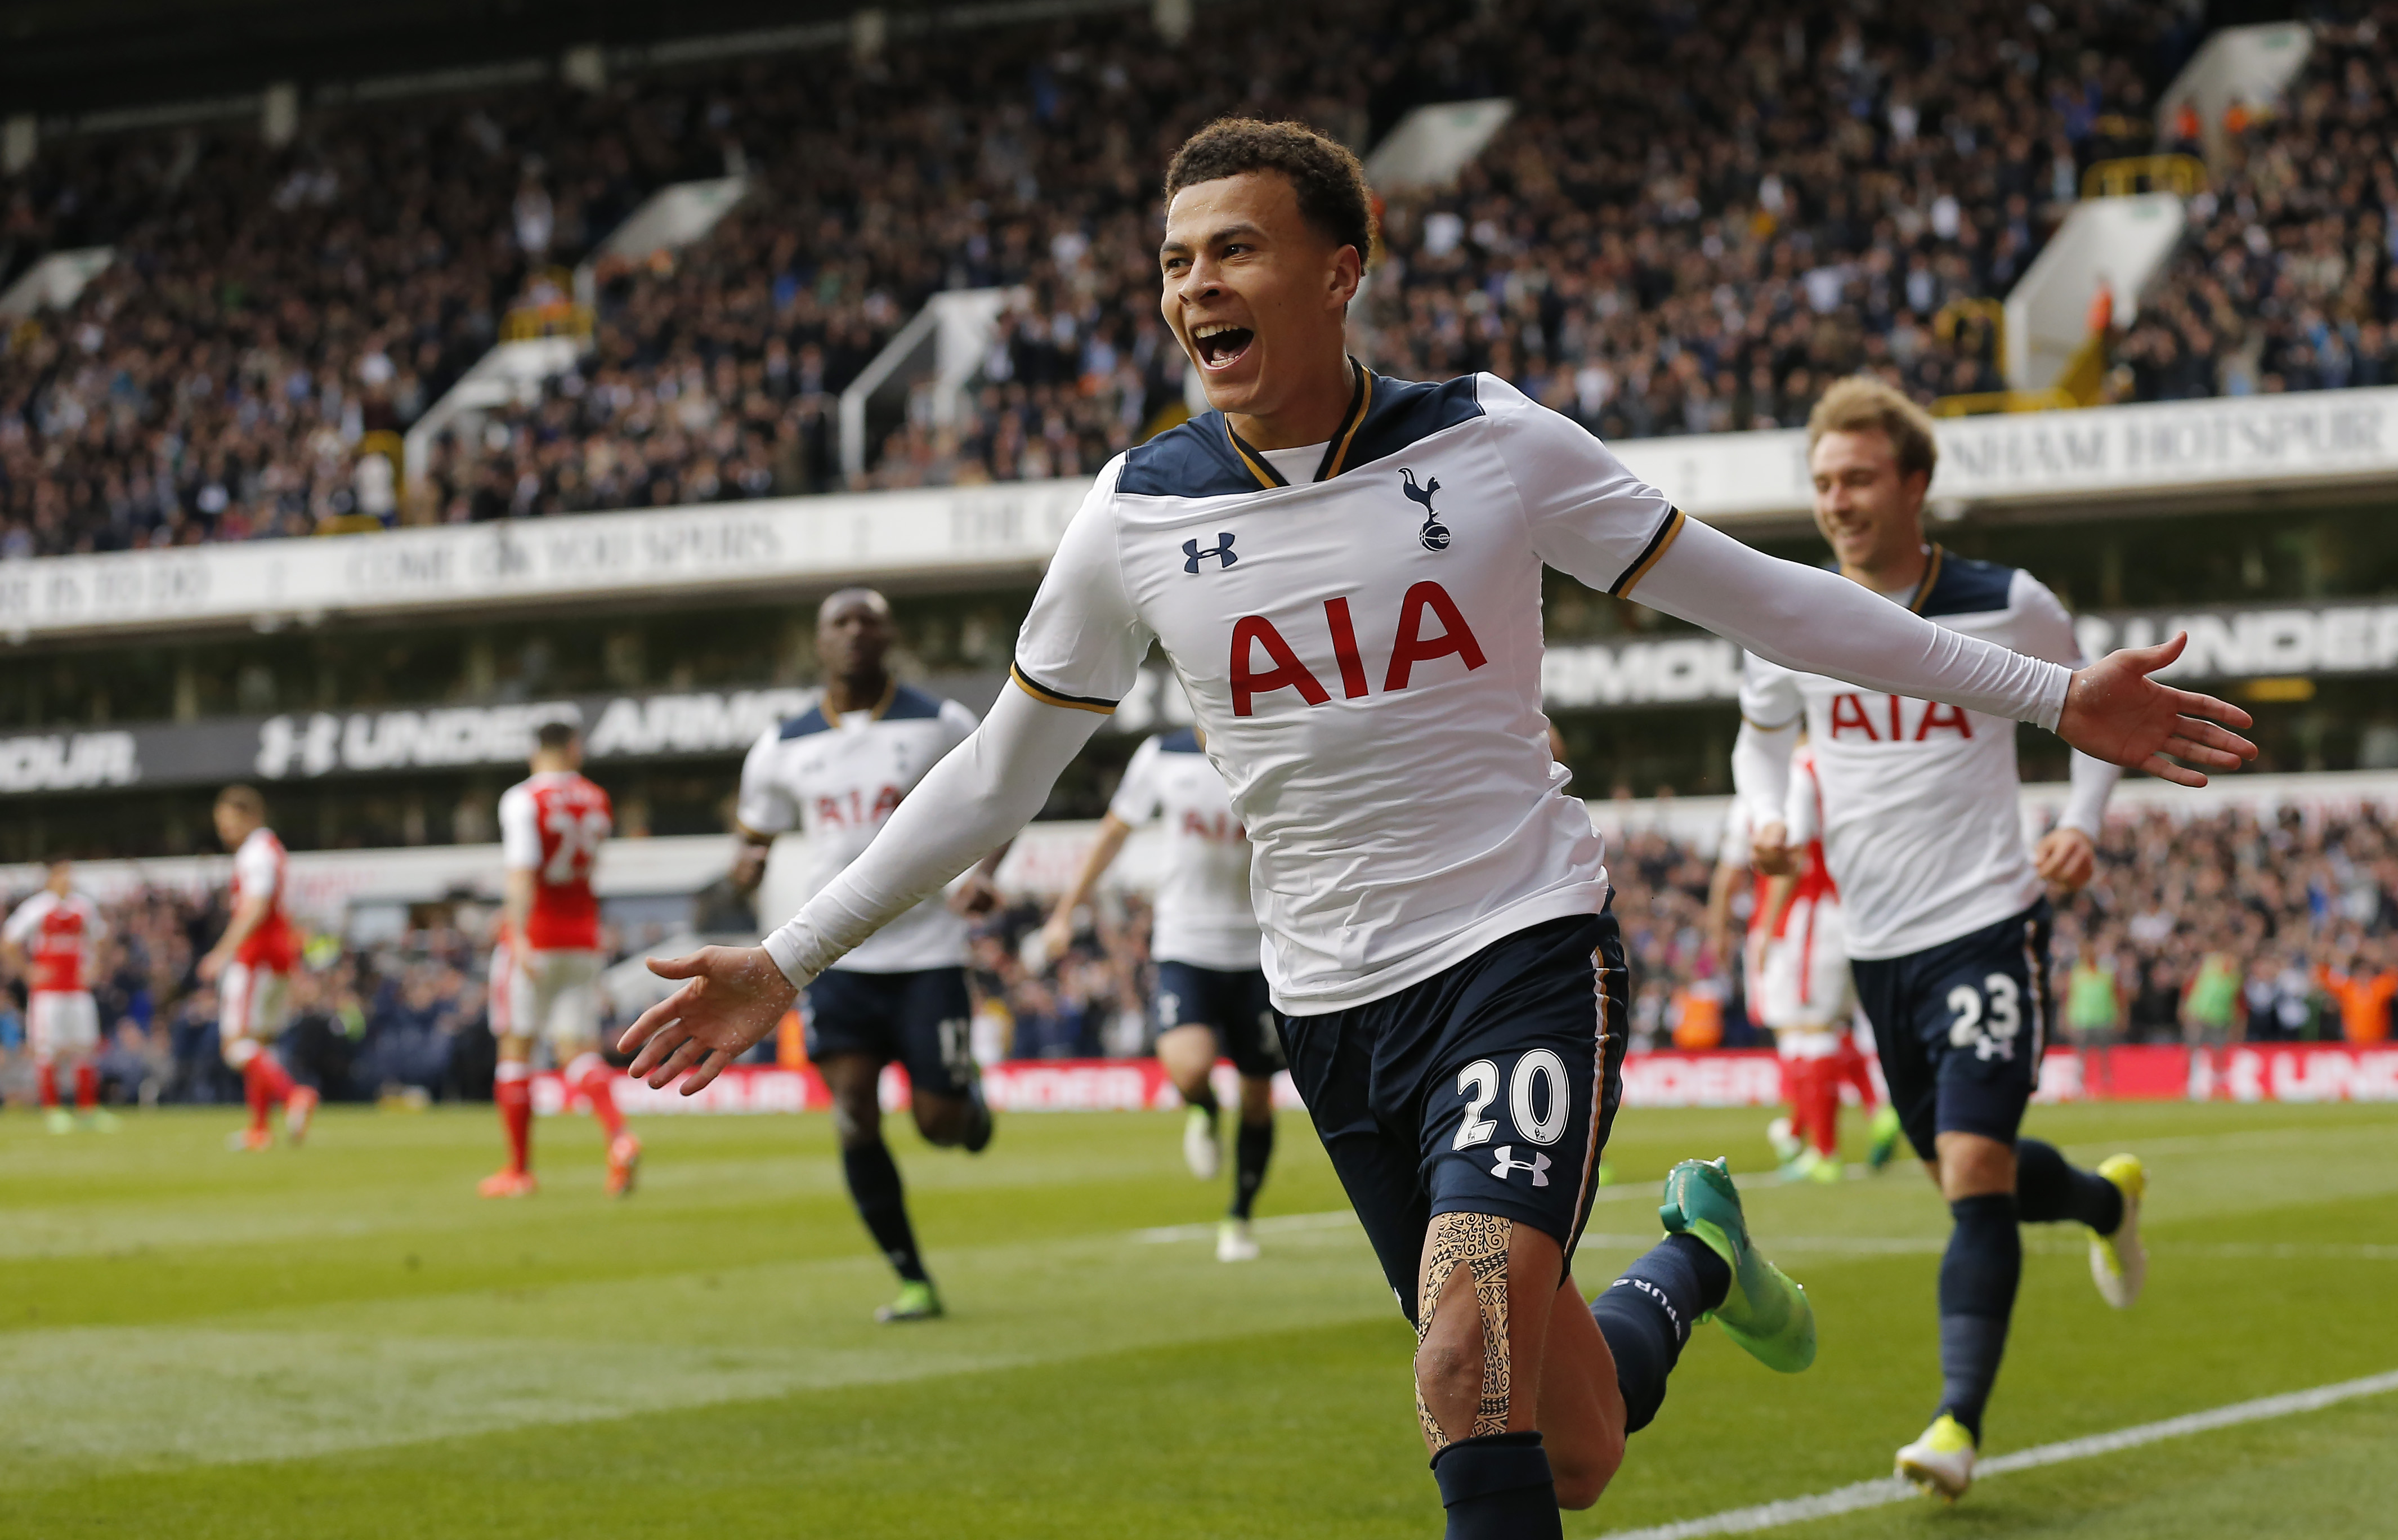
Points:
(1506, 1162)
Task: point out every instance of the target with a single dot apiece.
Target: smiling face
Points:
(1256, 294)
(1870, 512)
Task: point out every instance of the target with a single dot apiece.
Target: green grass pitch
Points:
(344, 1341)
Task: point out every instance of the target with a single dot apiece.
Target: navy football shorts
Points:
(1487, 1088)
(918, 1019)
(1236, 1004)
(1961, 1028)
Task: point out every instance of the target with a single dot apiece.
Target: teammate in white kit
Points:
(1203, 937)
(839, 771)
(546, 968)
(1345, 572)
(51, 938)
(1946, 916)
(251, 967)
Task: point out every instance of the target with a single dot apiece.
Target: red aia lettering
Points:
(1408, 647)
(1411, 647)
(885, 801)
(1848, 712)
(1288, 674)
(829, 810)
(1955, 720)
(1345, 647)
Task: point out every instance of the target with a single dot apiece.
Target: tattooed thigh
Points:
(1462, 1373)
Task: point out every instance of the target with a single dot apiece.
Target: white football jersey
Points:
(1919, 812)
(837, 781)
(1363, 652)
(1204, 916)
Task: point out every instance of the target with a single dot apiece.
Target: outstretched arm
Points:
(1814, 620)
(986, 790)
(1060, 932)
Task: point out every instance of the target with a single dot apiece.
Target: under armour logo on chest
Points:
(1507, 1164)
(1221, 550)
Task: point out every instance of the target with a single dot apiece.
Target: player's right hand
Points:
(734, 998)
(1057, 936)
(1770, 852)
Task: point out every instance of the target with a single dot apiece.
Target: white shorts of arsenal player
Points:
(838, 781)
(549, 994)
(62, 1023)
(251, 1002)
(1804, 983)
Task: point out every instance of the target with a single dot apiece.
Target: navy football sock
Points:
(874, 1187)
(1252, 1147)
(2049, 1188)
(1498, 1487)
(1977, 1294)
(1647, 1314)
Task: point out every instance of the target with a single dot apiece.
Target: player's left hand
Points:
(2065, 859)
(974, 896)
(208, 968)
(2114, 711)
(734, 998)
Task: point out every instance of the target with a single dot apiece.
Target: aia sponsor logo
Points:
(1894, 719)
(1264, 660)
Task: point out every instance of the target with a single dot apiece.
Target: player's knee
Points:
(942, 1119)
(856, 1121)
(1450, 1363)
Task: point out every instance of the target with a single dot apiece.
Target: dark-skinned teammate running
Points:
(1366, 664)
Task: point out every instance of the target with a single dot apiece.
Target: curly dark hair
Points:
(1331, 185)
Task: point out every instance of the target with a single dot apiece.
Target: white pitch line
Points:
(1874, 1494)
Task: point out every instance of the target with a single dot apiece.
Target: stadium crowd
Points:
(1793, 193)
(2289, 279)
(2226, 927)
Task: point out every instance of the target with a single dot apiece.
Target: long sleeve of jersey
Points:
(1812, 620)
(2050, 635)
(975, 799)
(1761, 770)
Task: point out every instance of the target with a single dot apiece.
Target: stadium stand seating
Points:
(2290, 279)
(1685, 227)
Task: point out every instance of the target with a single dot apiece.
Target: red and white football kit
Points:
(545, 984)
(251, 991)
(62, 1020)
(1803, 985)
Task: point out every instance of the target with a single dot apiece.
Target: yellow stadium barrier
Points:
(2183, 174)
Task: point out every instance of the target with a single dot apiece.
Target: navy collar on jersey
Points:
(1201, 458)
(1361, 393)
(1930, 580)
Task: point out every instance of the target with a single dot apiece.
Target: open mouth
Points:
(1219, 343)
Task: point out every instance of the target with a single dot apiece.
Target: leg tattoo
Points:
(1477, 1243)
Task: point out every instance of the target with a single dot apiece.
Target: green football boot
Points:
(1885, 1137)
(1764, 1311)
(917, 1302)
